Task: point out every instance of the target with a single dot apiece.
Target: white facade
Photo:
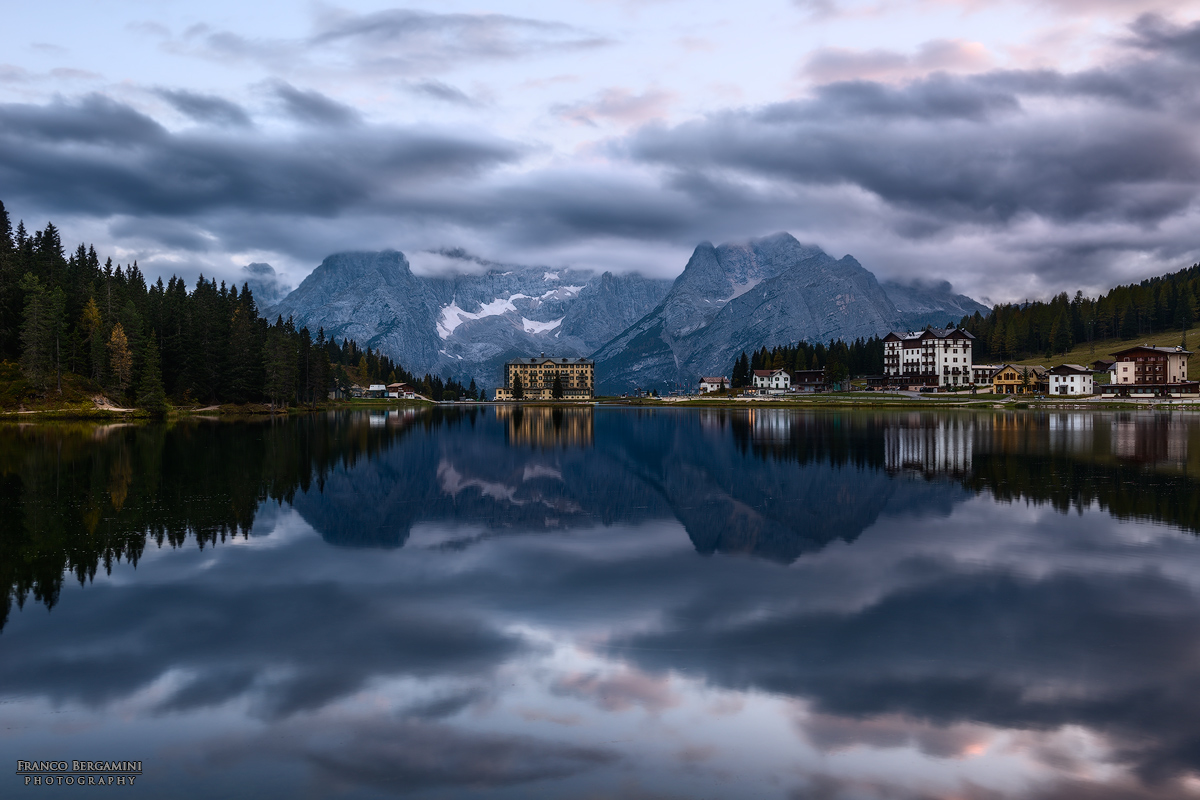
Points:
(713, 384)
(940, 357)
(1071, 379)
(777, 379)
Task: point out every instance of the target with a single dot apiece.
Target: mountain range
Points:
(642, 332)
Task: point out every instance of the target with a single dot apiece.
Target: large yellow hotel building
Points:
(578, 376)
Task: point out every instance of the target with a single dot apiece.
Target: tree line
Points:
(839, 360)
(1014, 331)
(64, 315)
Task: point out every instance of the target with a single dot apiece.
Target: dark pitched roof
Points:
(929, 333)
(548, 360)
(1154, 348)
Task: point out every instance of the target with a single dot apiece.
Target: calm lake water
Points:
(517, 603)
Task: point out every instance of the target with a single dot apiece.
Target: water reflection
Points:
(516, 607)
(543, 426)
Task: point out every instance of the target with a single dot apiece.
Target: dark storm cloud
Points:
(979, 150)
(105, 158)
(93, 120)
(1153, 32)
(312, 107)
(205, 108)
(971, 649)
(304, 647)
(409, 756)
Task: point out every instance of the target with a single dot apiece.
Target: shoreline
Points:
(817, 402)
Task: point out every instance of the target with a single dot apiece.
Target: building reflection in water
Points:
(547, 426)
(1150, 438)
(937, 444)
(393, 417)
(930, 445)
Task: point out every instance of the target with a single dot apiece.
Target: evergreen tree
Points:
(518, 388)
(37, 333)
(556, 391)
(150, 390)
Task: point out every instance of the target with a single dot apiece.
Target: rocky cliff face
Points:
(466, 325)
(931, 303)
(739, 297)
(641, 331)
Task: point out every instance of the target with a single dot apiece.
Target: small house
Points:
(1071, 379)
(1020, 379)
(713, 384)
(773, 380)
(808, 380)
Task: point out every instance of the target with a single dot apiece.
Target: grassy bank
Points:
(1085, 354)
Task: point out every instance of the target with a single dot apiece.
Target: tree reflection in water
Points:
(891, 594)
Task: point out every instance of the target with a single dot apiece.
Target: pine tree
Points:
(518, 388)
(556, 390)
(36, 333)
(150, 391)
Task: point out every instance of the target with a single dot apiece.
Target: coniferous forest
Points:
(1025, 330)
(839, 359)
(1015, 331)
(100, 328)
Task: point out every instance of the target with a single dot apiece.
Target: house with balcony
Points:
(982, 374)
(1151, 371)
(713, 384)
(933, 357)
(1021, 380)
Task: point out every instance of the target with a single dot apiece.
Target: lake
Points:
(614, 603)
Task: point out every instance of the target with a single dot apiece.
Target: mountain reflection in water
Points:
(508, 601)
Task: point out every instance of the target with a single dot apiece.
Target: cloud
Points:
(306, 648)
(619, 692)
(312, 107)
(440, 91)
(1094, 154)
(391, 42)
(205, 108)
(830, 64)
(618, 105)
(1064, 178)
(104, 157)
(267, 286)
(403, 757)
(1155, 33)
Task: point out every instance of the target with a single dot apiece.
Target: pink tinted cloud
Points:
(831, 64)
(620, 691)
(618, 105)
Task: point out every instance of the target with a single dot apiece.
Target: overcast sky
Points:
(1016, 149)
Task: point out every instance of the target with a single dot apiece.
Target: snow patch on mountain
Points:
(452, 316)
(531, 326)
(740, 289)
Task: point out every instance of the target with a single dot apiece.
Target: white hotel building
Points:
(934, 357)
